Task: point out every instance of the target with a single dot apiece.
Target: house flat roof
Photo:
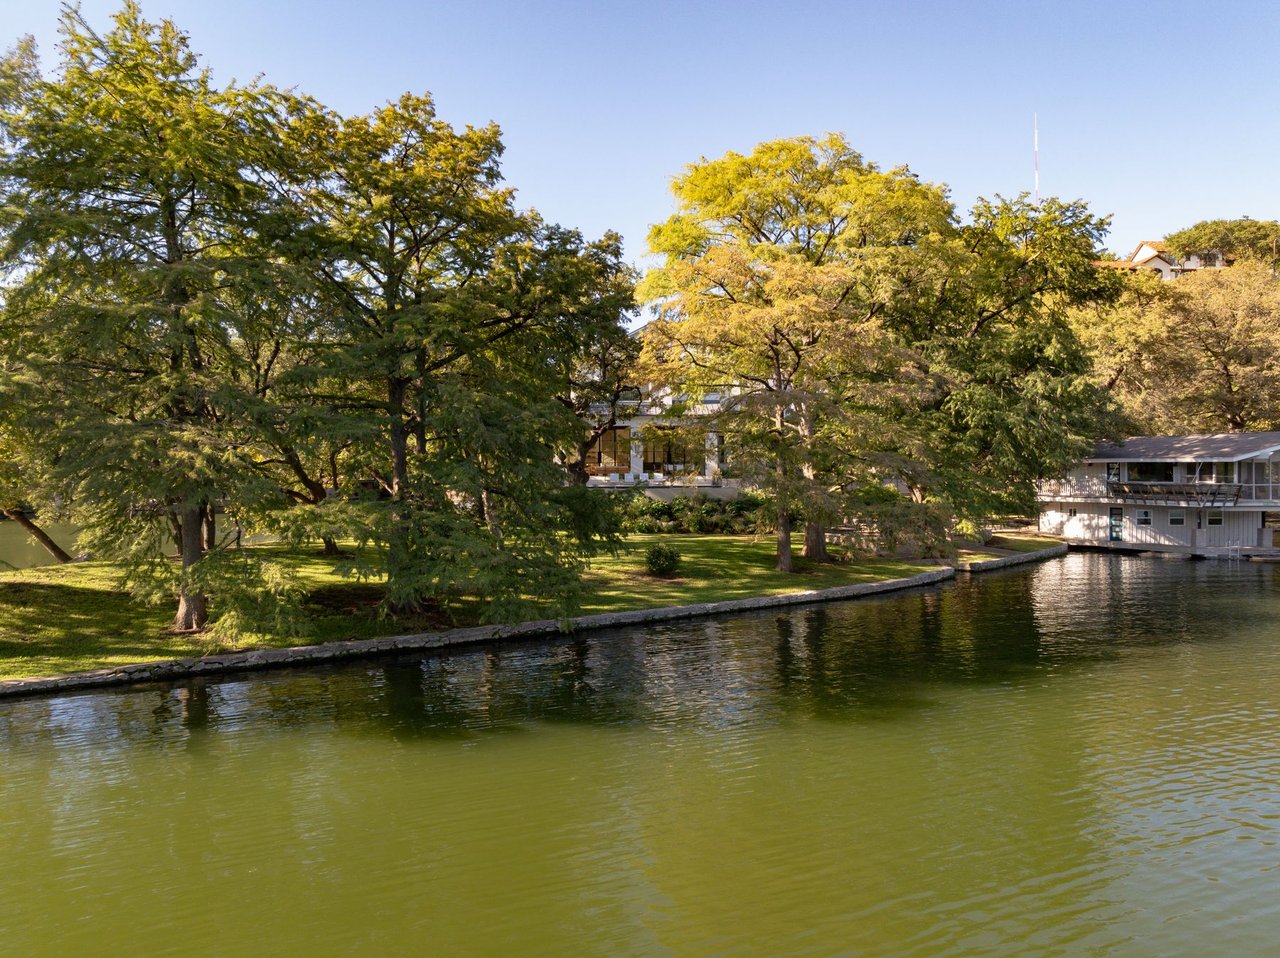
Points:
(1219, 447)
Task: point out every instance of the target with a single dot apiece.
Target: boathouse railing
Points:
(1195, 495)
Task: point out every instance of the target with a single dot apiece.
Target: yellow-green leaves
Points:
(1199, 354)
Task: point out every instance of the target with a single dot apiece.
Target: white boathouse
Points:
(1205, 495)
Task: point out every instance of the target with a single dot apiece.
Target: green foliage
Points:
(252, 597)
(903, 528)
(776, 271)
(1009, 397)
(137, 199)
(593, 519)
(1234, 239)
(1201, 354)
(662, 560)
(595, 363)
(450, 317)
(861, 335)
(232, 301)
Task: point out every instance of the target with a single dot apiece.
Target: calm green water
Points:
(18, 551)
(1079, 759)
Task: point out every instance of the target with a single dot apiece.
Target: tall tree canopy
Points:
(1201, 354)
(1242, 238)
(230, 300)
(448, 312)
(1009, 396)
(778, 268)
(862, 340)
(138, 199)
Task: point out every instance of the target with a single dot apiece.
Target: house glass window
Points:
(1214, 517)
(671, 452)
(612, 451)
(1144, 517)
(1113, 472)
(1071, 513)
(1177, 517)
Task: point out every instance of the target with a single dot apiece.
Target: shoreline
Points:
(302, 655)
(1002, 562)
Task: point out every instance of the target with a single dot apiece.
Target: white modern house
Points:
(1203, 495)
(648, 448)
(1156, 256)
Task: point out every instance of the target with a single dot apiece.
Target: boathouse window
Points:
(1216, 472)
(1214, 517)
(1151, 472)
(1144, 517)
(1177, 517)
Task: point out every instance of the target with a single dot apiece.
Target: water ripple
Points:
(1078, 758)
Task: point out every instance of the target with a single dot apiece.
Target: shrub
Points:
(662, 560)
(697, 514)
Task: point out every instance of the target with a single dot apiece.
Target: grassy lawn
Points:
(714, 568)
(68, 618)
(1023, 542)
(1006, 543)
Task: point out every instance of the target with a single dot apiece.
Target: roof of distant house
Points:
(1160, 246)
(1218, 447)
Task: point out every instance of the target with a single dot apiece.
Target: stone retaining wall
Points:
(333, 651)
(986, 565)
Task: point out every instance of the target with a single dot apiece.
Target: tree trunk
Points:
(815, 542)
(815, 539)
(316, 492)
(784, 541)
(398, 539)
(42, 537)
(193, 607)
(490, 519)
(210, 528)
(578, 474)
(780, 478)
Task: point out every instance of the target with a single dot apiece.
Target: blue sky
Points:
(1161, 115)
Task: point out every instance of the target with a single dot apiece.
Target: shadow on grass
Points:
(352, 610)
(46, 628)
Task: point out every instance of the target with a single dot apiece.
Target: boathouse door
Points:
(1117, 525)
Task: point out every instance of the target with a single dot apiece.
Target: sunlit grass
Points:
(715, 568)
(1023, 542)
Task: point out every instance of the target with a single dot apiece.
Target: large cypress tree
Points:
(448, 317)
(138, 198)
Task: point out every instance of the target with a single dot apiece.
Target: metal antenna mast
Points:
(1035, 145)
